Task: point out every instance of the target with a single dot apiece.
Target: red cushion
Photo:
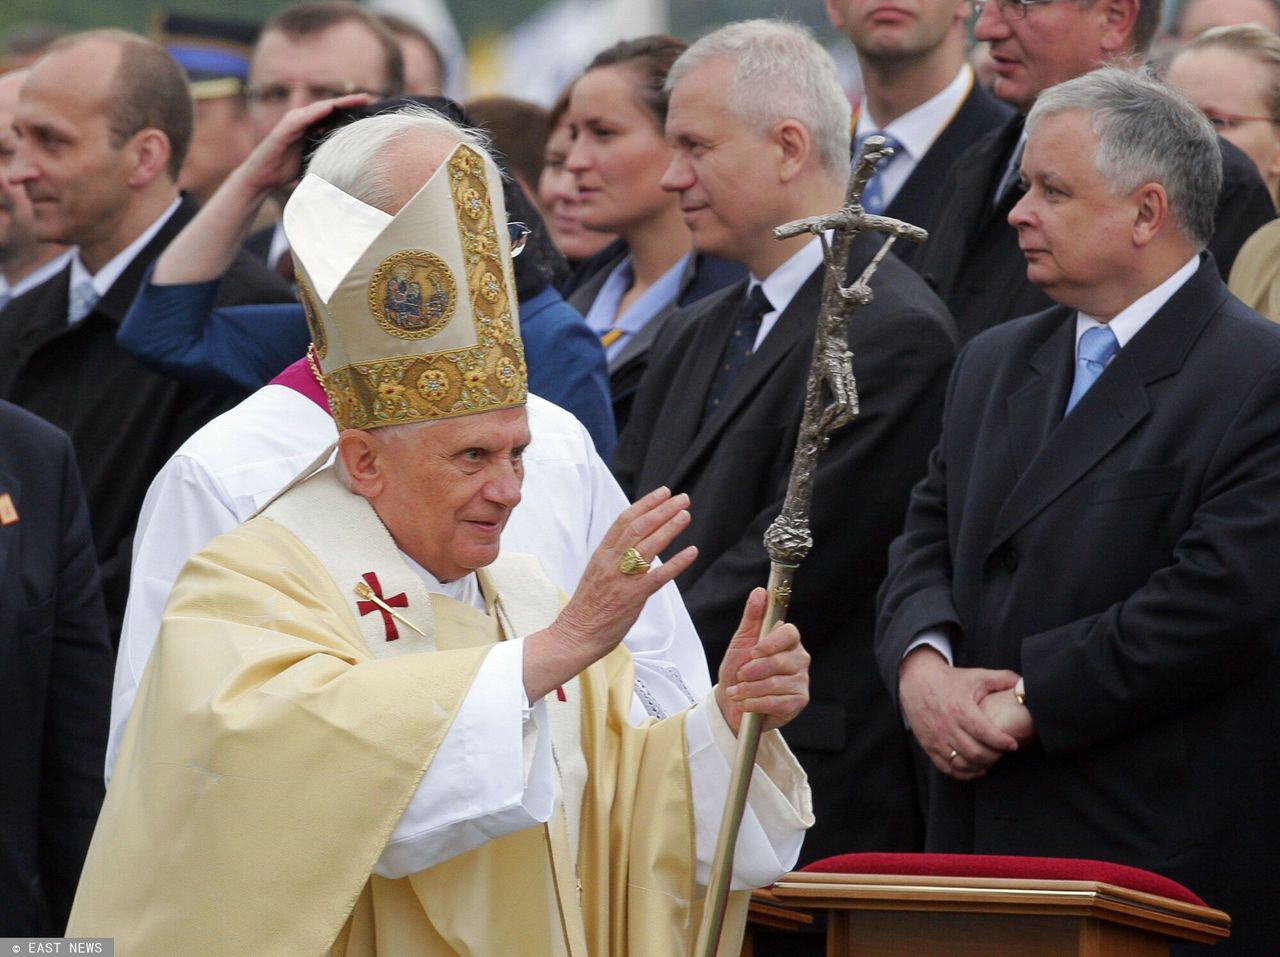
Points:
(1017, 868)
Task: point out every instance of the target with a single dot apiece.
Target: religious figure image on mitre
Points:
(405, 306)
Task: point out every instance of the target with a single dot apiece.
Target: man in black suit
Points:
(920, 90)
(972, 258)
(103, 122)
(55, 677)
(730, 444)
(1079, 620)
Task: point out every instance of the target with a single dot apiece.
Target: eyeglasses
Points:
(519, 234)
(1229, 121)
(277, 94)
(1011, 9)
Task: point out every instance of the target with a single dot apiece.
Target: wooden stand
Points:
(876, 915)
(764, 913)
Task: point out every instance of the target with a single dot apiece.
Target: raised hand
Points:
(608, 598)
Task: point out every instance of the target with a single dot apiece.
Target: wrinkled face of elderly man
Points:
(445, 489)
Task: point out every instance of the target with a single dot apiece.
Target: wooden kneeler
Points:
(974, 905)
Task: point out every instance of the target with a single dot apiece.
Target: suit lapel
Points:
(120, 296)
(668, 459)
(48, 321)
(793, 329)
(969, 209)
(638, 346)
(1053, 453)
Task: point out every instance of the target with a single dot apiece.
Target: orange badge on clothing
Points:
(8, 514)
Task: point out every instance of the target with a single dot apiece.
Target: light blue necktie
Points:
(1097, 346)
(873, 200)
(81, 301)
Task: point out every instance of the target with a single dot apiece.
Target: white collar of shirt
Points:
(918, 128)
(781, 285)
(106, 277)
(42, 273)
(279, 244)
(465, 589)
(1133, 317)
(915, 130)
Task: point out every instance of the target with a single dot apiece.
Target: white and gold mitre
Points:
(413, 317)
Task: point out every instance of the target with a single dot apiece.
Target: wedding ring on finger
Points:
(952, 755)
(633, 563)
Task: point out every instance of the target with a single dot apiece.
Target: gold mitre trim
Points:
(423, 323)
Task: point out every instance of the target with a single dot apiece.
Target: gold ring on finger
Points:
(952, 755)
(633, 563)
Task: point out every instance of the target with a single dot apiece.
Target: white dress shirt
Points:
(781, 285)
(915, 130)
(106, 277)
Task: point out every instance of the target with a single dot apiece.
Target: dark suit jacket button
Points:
(1009, 559)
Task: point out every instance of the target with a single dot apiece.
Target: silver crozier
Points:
(831, 400)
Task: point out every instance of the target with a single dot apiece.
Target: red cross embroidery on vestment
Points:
(395, 601)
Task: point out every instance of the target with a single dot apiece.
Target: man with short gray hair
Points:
(760, 133)
(1078, 621)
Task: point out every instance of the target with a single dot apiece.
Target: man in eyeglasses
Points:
(309, 52)
(972, 259)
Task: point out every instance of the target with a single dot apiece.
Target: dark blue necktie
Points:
(1097, 346)
(742, 343)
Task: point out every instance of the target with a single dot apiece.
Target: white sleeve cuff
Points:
(935, 638)
(492, 774)
(779, 806)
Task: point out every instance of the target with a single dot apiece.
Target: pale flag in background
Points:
(432, 17)
(537, 58)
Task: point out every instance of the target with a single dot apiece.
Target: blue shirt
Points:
(600, 317)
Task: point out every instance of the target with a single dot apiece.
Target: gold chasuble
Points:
(280, 732)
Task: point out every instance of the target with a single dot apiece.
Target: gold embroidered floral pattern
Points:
(432, 384)
(487, 376)
(471, 203)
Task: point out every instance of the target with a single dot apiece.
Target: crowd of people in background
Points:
(159, 367)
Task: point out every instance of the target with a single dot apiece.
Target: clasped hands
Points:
(965, 719)
(767, 674)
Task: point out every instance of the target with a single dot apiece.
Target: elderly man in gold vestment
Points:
(367, 730)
